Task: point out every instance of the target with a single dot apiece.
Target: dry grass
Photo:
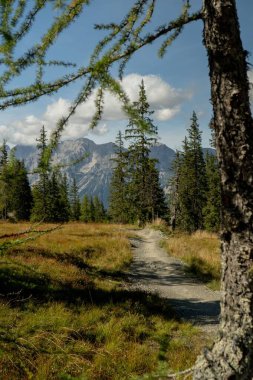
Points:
(200, 251)
(65, 316)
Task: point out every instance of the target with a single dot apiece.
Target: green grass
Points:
(200, 251)
(66, 315)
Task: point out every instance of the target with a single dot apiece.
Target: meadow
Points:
(66, 312)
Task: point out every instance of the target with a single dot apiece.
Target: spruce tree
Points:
(212, 209)
(118, 201)
(4, 181)
(75, 206)
(20, 194)
(156, 203)
(141, 137)
(99, 210)
(86, 215)
(64, 196)
(192, 181)
(173, 198)
(41, 190)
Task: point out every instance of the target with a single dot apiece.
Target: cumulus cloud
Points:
(164, 99)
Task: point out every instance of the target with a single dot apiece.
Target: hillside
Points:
(93, 174)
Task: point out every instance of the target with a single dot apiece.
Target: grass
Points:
(65, 314)
(200, 251)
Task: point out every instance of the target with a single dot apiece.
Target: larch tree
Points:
(231, 357)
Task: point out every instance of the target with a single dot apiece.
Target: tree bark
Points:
(232, 355)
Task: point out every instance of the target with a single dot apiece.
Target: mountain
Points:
(93, 174)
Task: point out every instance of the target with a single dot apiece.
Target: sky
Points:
(175, 85)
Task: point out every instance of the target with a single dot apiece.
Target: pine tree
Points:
(212, 209)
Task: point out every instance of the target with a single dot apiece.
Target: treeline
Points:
(51, 199)
(135, 193)
(194, 189)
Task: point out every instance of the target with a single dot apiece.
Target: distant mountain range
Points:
(93, 174)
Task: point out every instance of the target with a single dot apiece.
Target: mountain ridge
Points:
(93, 174)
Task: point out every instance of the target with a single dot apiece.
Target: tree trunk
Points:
(232, 355)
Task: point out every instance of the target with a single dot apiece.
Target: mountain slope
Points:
(93, 174)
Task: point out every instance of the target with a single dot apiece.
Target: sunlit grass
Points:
(200, 251)
(65, 315)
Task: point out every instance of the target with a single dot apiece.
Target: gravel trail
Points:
(153, 270)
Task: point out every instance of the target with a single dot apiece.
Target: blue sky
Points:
(176, 85)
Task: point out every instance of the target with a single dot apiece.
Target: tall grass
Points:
(200, 251)
(65, 313)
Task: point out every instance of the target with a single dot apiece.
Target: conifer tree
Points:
(41, 190)
(156, 203)
(75, 206)
(64, 196)
(212, 209)
(20, 195)
(192, 181)
(4, 181)
(99, 210)
(86, 215)
(173, 198)
(118, 202)
(141, 135)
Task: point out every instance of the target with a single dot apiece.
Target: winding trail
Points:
(153, 270)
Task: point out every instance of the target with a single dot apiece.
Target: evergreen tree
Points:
(212, 209)
(75, 206)
(86, 212)
(192, 181)
(64, 196)
(173, 199)
(41, 190)
(156, 203)
(3, 154)
(99, 210)
(141, 136)
(118, 202)
(4, 181)
(20, 195)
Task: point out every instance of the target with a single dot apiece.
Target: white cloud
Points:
(163, 99)
(166, 113)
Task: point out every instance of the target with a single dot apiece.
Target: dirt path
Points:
(154, 270)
